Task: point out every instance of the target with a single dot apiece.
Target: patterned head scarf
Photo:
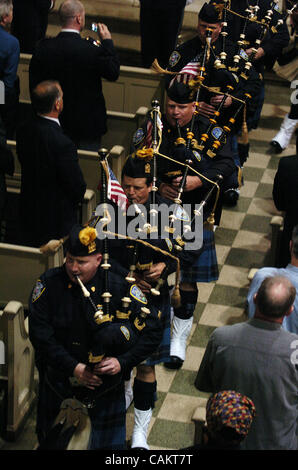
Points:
(230, 409)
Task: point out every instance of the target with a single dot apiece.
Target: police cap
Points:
(210, 13)
(180, 93)
(136, 167)
(82, 241)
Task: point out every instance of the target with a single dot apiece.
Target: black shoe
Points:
(230, 197)
(276, 146)
(175, 363)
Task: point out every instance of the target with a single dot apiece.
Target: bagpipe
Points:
(256, 26)
(140, 250)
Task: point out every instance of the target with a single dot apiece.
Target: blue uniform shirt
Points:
(9, 58)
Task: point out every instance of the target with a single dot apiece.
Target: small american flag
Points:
(115, 191)
(189, 71)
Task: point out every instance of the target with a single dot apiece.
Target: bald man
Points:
(52, 183)
(258, 358)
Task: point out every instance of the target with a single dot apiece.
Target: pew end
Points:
(276, 223)
(198, 418)
(16, 371)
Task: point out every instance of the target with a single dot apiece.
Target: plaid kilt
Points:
(205, 268)
(162, 353)
(108, 421)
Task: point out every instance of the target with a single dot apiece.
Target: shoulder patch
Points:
(243, 55)
(137, 294)
(197, 155)
(181, 214)
(125, 332)
(174, 58)
(169, 243)
(38, 290)
(138, 136)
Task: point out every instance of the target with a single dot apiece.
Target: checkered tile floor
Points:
(242, 242)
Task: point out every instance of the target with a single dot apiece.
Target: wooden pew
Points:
(13, 189)
(20, 267)
(121, 127)
(17, 371)
(89, 163)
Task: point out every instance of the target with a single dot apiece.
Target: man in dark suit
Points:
(52, 183)
(78, 65)
(285, 196)
(30, 21)
(9, 61)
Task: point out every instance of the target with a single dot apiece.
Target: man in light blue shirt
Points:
(290, 323)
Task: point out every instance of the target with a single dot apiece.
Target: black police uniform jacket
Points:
(192, 51)
(52, 183)
(79, 66)
(62, 325)
(62, 330)
(221, 164)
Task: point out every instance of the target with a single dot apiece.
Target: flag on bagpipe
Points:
(115, 191)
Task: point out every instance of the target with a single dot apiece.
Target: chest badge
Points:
(216, 132)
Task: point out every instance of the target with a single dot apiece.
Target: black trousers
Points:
(160, 24)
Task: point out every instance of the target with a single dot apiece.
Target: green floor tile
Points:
(227, 295)
(264, 191)
(256, 223)
(245, 258)
(172, 434)
(198, 311)
(252, 173)
(259, 146)
(158, 403)
(201, 335)
(273, 163)
(242, 204)
(225, 236)
(270, 122)
(183, 383)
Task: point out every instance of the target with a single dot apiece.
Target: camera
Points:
(94, 27)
